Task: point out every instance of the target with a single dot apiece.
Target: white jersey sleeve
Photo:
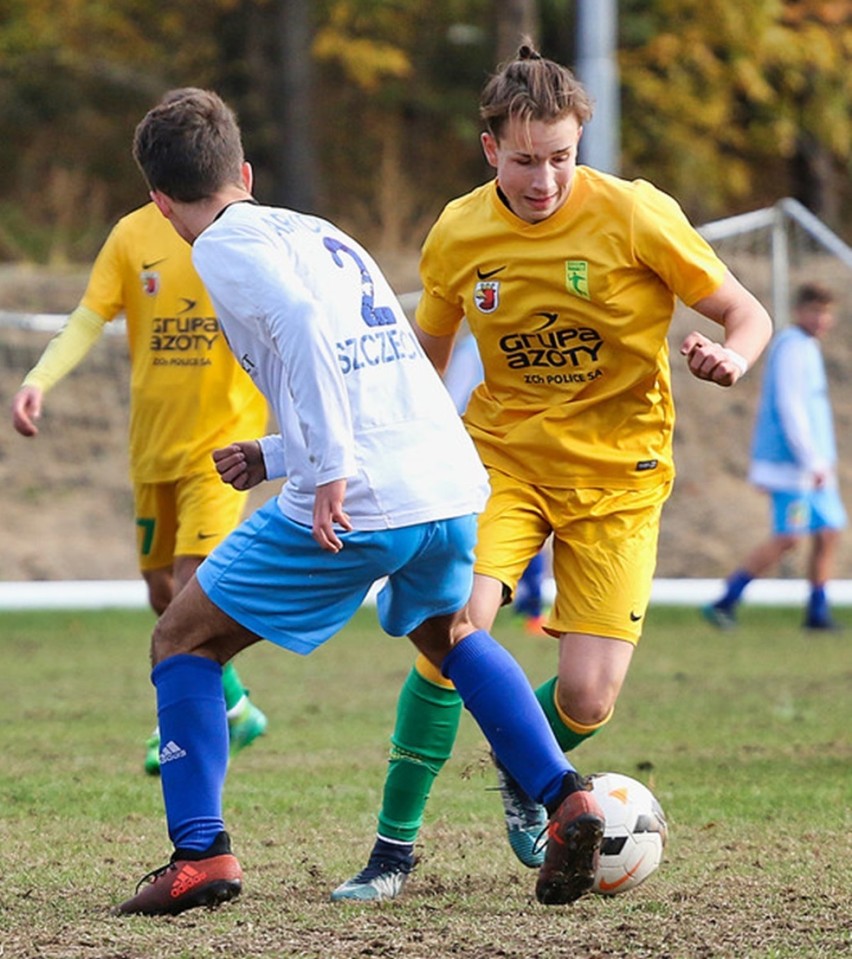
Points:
(281, 329)
(272, 451)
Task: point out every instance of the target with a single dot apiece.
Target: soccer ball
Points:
(635, 834)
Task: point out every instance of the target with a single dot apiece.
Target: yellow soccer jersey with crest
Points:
(571, 316)
(188, 395)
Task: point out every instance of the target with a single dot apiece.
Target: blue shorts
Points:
(272, 577)
(799, 513)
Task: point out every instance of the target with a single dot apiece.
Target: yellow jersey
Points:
(571, 316)
(188, 394)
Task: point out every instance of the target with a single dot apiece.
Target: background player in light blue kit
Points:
(794, 459)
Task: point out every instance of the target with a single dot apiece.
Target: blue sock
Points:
(734, 588)
(528, 593)
(493, 685)
(818, 605)
(193, 748)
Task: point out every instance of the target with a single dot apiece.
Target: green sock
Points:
(427, 720)
(232, 685)
(567, 738)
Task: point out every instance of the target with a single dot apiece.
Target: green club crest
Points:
(577, 278)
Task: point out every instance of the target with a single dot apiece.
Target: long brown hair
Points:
(531, 87)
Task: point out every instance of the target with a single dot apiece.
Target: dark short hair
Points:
(189, 145)
(814, 293)
(531, 87)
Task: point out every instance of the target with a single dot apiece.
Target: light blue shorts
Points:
(800, 513)
(272, 577)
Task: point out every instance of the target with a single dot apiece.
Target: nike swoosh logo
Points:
(486, 275)
(634, 618)
(550, 319)
(206, 535)
(153, 263)
(605, 886)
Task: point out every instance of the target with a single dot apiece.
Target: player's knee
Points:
(157, 602)
(585, 706)
(787, 542)
(828, 537)
(169, 639)
(159, 645)
(160, 590)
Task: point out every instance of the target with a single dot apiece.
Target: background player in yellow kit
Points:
(188, 396)
(567, 278)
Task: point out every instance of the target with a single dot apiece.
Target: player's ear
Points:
(247, 175)
(489, 147)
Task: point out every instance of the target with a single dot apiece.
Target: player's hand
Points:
(240, 464)
(26, 409)
(709, 360)
(328, 512)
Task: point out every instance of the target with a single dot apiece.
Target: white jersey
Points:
(315, 324)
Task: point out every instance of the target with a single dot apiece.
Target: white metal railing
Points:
(776, 219)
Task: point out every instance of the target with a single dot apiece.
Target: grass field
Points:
(743, 736)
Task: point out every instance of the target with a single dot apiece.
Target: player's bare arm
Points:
(437, 348)
(241, 464)
(748, 328)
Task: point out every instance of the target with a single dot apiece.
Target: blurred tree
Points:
(515, 19)
(366, 110)
(74, 79)
(292, 102)
(730, 106)
(398, 91)
(813, 76)
(266, 69)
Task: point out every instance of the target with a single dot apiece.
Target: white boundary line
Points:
(132, 594)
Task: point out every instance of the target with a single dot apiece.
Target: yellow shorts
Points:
(604, 550)
(187, 517)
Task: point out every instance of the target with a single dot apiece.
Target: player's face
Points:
(535, 164)
(815, 318)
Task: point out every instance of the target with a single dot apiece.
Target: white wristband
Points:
(738, 360)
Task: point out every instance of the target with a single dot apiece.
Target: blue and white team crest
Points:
(150, 282)
(486, 295)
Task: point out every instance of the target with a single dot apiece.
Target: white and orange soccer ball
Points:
(635, 834)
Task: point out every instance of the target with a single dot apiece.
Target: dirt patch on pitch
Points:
(720, 917)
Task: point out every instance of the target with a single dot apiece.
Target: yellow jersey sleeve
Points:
(65, 350)
(666, 242)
